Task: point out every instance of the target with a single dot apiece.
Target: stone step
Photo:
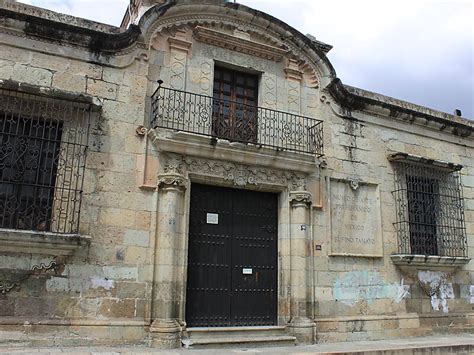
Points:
(226, 337)
(254, 331)
(238, 342)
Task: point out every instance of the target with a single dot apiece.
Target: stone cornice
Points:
(200, 146)
(179, 44)
(94, 38)
(238, 44)
(415, 159)
(237, 16)
(77, 98)
(413, 263)
(353, 99)
(45, 243)
(227, 173)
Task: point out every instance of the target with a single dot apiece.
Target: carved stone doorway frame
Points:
(176, 174)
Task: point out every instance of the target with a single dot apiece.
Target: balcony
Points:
(234, 121)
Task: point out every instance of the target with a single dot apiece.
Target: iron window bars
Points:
(43, 144)
(208, 116)
(430, 210)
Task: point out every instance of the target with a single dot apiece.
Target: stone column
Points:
(165, 328)
(301, 325)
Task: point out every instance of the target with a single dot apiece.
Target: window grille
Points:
(430, 210)
(43, 144)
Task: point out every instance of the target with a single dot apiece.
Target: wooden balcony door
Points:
(235, 97)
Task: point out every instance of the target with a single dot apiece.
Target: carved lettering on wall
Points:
(356, 227)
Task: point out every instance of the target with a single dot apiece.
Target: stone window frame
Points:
(59, 234)
(428, 186)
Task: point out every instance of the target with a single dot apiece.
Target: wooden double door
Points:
(234, 110)
(232, 258)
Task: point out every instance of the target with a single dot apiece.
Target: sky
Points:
(421, 51)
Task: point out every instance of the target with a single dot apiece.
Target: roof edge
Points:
(89, 34)
(356, 99)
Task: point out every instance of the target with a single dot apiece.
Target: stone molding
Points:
(45, 243)
(192, 145)
(293, 71)
(12, 279)
(301, 198)
(416, 159)
(410, 263)
(172, 180)
(238, 44)
(81, 33)
(179, 42)
(176, 167)
(205, 20)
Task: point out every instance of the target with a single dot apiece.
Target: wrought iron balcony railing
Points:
(235, 121)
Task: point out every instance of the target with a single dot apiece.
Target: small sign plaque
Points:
(212, 218)
(247, 271)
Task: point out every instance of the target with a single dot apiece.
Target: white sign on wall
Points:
(212, 218)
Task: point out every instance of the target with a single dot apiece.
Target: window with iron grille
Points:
(43, 143)
(430, 209)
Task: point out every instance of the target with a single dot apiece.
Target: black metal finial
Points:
(160, 82)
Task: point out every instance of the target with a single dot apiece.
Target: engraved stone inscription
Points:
(355, 220)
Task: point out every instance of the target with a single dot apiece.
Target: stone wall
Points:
(104, 293)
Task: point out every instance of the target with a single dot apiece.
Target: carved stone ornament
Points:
(238, 174)
(7, 285)
(12, 279)
(301, 198)
(354, 184)
(238, 44)
(172, 180)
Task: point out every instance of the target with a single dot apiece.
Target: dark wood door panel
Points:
(235, 105)
(232, 265)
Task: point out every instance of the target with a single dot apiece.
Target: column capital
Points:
(301, 198)
(172, 181)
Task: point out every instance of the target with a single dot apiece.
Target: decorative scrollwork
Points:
(301, 198)
(354, 184)
(12, 279)
(6, 286)
(177, 168)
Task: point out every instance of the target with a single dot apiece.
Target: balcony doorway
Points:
(234, 110)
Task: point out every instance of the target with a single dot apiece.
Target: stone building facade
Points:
(203, 166)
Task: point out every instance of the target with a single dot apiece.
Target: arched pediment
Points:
(239, 23)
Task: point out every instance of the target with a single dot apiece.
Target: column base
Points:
(165, 334)
(302, 329)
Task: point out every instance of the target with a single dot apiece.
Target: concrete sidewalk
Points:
(460, 344)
